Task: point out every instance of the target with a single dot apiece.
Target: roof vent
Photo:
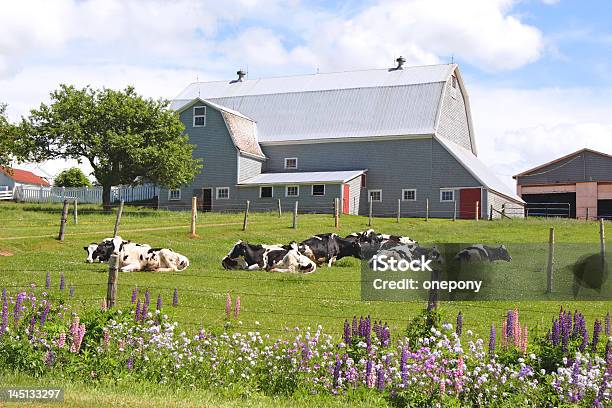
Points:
(400, 62)
(241, 74)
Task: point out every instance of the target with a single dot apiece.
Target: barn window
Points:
(199, 116)
(265, 192)
(454, 81)
(447, 195)
(292, 191)
(363, 181)
(174, 194)
(291, 163)
(409, 194)
(318, 189)
(375, 195)
(222, 193)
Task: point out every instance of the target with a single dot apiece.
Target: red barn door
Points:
(346, 199)
(467, 202)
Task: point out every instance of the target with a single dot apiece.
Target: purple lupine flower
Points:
(147, 299)
(608, 324)
(228, 306)
(137, 312)
(510, 324)
(130, 363)
(565, 334)
(347, 332)
(5, 312)
(337, 372)
(175, 297)
(31, 327)
(61, 341)
(380, 379)
(158, 306)
(368, 373)
(62, 281)
(585, 341)
(48, 280)
(492, 337)
(49, 358)
(145, 311)
(45, 312)
(361, 327)
(608, 352)
(596, 331)
(386, 336)
(354, 328)
(459, 327)
(404, 365)
(134, 294)
(237, 307)
(71, 290)
(18, 307)
(556, 333)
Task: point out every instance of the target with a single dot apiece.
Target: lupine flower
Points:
(147, 299)
(49, 358)
(596, 331)
(145, 310)
(175, 297)
(509, 324)
(492, 336)
(459, 326)
(18, 307)
(337, 373)
(62, 281)
(228, 306)
(71, 291)
(585, 340)
(134, 294)
(5, 312)
(61, 341)
(48, 280)
(347, 332)
(130, 363)
(44, 314)
(158, 306)
(369, 374)
(78, 332)
(31, 327)
(608, 324)
(504, 334)
(380, 379)
(106, 338)
(137, 312)
(404, 365)
(459, 375)
(354, 327)
(556, 333)
(237, 307)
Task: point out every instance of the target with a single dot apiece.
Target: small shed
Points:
(9, 179)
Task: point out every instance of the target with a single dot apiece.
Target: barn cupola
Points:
(241, 74)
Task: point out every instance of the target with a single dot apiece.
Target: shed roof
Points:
(304, 177)
(479, 170)
(363, 103)
(25, 177)
(567, 156)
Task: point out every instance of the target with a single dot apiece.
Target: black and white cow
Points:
(483, 253)
(407, 252)
(163, 260)
(91, 249)
(129, 253)
(272, 258)
(329, 247)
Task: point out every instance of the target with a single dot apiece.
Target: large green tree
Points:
(127, 139)
(72, 177)
(7, 139)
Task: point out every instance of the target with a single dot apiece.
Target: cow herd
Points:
(136, 257)
(303, 257)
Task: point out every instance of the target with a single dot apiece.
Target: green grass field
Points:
(270, 302)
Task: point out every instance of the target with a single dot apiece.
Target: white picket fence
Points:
(6, 195)
(32, 194)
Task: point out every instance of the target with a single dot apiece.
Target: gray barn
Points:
(378, 135)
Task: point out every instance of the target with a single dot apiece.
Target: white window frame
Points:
(374, 191)
(170, 194)
(199, 116)
(287, 190)
(262, 187)
(4, 188)
(218, 189)
(318, 195)
(444, 190)
(291, 158)
(406, 190)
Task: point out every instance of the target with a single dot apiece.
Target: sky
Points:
(538, 72)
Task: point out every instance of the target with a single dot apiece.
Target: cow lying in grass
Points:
(271, 258)
(328, 248)
(483, 253)
(163, 260)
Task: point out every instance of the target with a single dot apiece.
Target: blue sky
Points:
(537, 71)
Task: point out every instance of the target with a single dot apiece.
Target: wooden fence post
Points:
(245, 222)
(118, 220)
(370, 214)
(551, 260)
(587, 214)
(454, 210)
(295, 215)
(76, 211)
(63, 221)
(476, 214)
(337, 213)
(427, 209)
(113, 272)
(194, 215)
(280, 211)
(399, 209)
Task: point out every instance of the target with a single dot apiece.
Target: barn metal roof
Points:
(478, 169)
(332, 105)
(304, 177)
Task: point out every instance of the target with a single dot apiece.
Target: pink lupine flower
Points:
(459, 375)
(61, 342)
(516, 327)
(237, 307)
(504, 338)
(228, 306)
(106, 338)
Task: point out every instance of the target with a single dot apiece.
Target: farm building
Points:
(381, 135)
(579, 184)
(17, 177)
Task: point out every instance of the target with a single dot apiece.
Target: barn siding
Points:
(498, 201)
(248, 167)
(453, 123)
(583, 167)
(7, 181)
(354, 195)
(392, 165)
(307, 203)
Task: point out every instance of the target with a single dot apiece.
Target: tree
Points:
(7, 139)
(127, 139)
(72, 177)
